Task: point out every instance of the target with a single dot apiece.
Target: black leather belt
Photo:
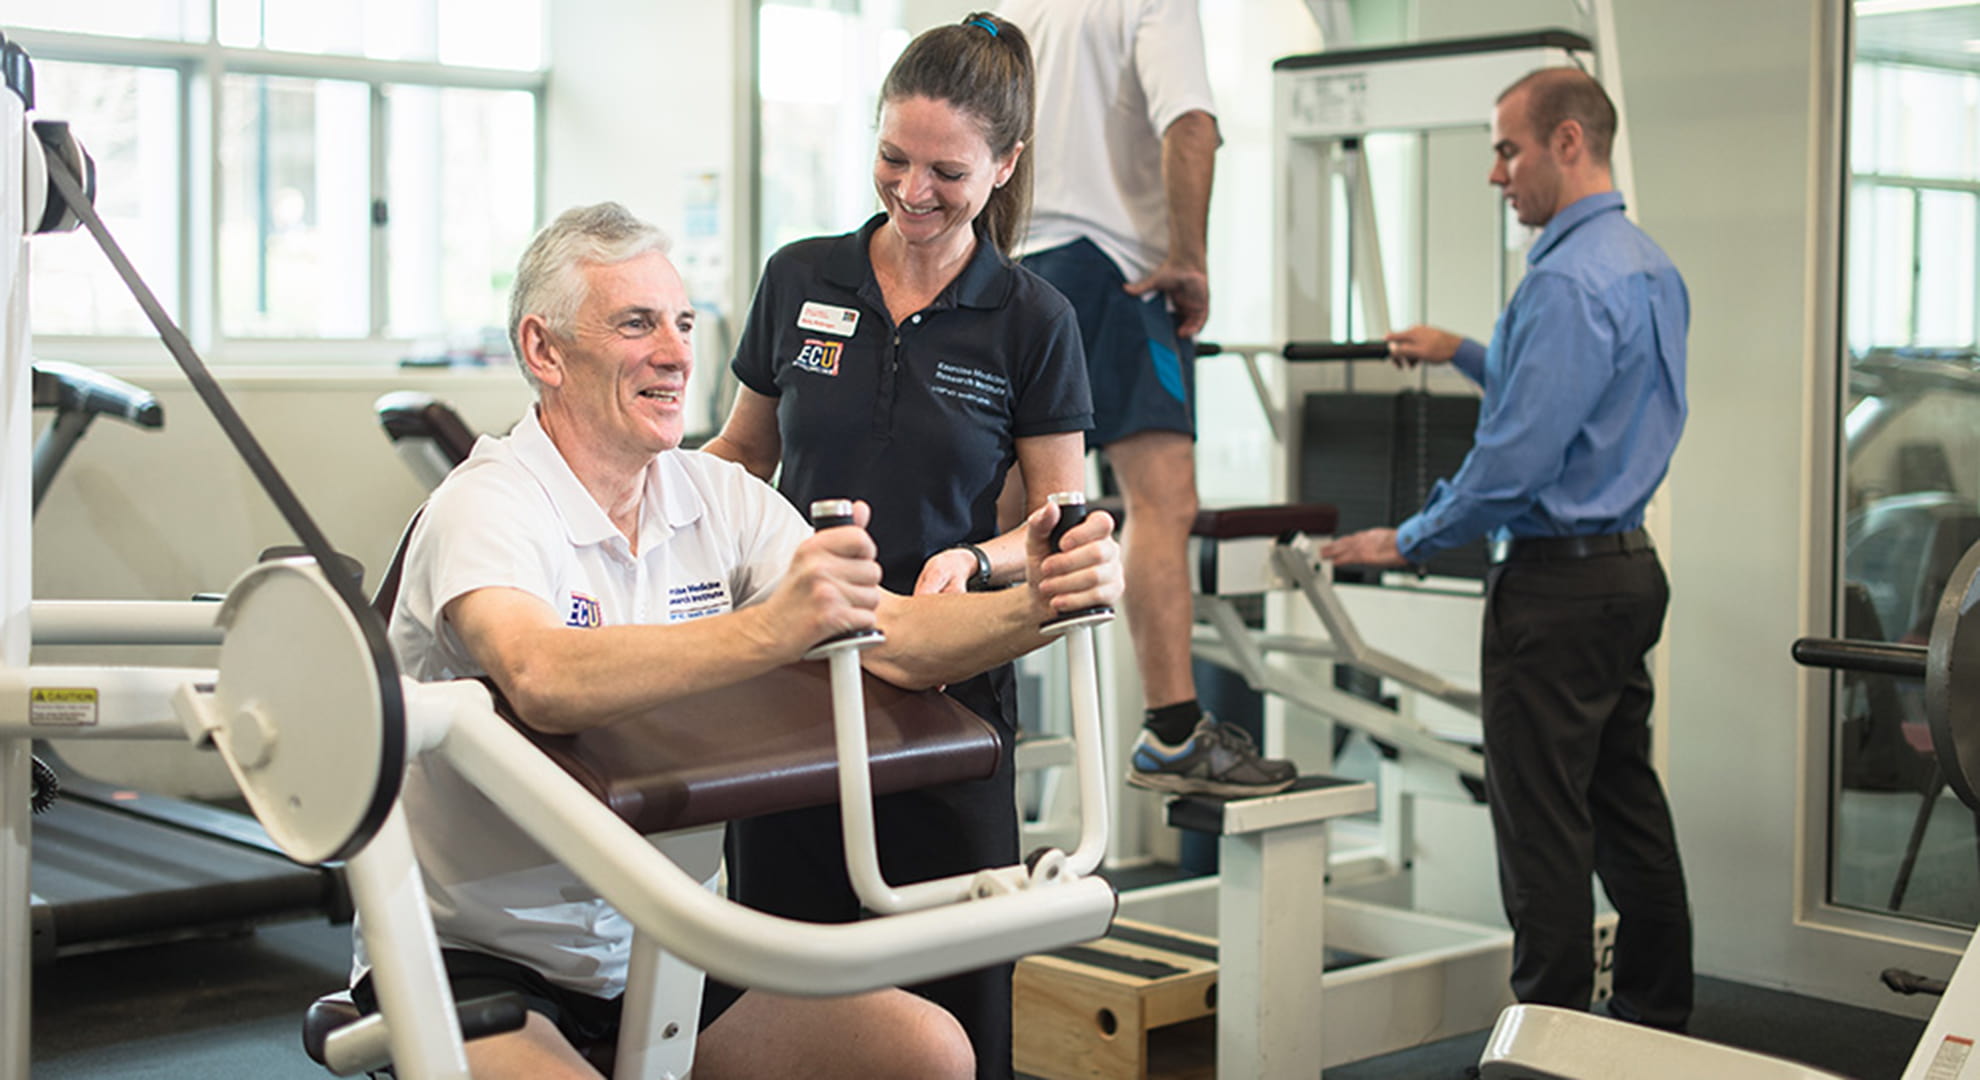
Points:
(1562, 548)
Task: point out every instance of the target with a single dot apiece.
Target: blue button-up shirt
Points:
(1584, 391)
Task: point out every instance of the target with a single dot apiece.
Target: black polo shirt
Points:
(920, 419)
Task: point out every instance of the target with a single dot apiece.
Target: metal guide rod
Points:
(1083, 669)
(856, 824)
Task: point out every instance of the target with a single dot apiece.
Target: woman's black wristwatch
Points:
(979, 581)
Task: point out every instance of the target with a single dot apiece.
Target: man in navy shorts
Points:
(1124, 150)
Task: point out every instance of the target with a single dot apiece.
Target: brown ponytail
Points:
(981, 67)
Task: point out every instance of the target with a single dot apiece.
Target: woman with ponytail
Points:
(913, 364)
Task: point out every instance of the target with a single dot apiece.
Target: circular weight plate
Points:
(1952, 680)
(312, 721)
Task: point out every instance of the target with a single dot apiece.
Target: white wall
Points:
(641, 111)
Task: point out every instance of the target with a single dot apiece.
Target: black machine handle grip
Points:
(1072, 510)
(831, 514)
(1872, 657)
(1315, 351)
(1320, 351)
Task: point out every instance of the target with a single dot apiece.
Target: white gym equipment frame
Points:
(316, 725)
(1432, 976)
(1322, 113)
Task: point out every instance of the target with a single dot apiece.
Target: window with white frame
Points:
(294, 170)
(1913, 195)
(1909, 440)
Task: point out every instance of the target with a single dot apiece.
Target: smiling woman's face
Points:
(934, 171)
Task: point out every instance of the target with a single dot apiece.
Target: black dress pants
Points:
(793, 864)
(1567, 698)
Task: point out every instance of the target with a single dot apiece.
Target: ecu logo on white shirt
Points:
(584, 612)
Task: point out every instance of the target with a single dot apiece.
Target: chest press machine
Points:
(315, 723)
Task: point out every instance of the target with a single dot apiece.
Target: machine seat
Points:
(1236, 522)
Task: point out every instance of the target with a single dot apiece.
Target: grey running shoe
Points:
(1216, 759)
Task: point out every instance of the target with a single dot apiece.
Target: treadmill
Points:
(112, 867)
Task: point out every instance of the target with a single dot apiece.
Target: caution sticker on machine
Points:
(62, 706)
(1951, 1058)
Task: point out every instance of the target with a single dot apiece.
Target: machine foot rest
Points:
(1088, 1011)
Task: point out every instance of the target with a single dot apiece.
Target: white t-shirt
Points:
(1112, 76)
(712, 538)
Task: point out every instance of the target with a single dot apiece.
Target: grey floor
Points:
(216, 1008)
(231, 1008)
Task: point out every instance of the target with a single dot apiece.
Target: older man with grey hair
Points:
(594, 571)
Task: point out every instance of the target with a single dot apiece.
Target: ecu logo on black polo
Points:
(819, 357)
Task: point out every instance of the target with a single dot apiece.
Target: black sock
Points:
(1173, 723)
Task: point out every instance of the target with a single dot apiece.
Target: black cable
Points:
(370, 626)
(203, 382)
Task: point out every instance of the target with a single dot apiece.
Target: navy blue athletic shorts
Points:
(1143, 376)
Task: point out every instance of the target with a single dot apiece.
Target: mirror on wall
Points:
(1910, 427)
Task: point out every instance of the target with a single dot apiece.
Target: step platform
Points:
(1090, 1014)
(1094, 1010)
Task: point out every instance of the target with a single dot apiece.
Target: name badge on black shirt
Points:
(828, 319)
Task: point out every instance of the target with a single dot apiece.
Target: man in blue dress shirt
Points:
(1584, 402)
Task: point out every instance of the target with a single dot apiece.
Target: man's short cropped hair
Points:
(1560, 94)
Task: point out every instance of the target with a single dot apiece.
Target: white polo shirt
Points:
(1112, 76)
(711, 538)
